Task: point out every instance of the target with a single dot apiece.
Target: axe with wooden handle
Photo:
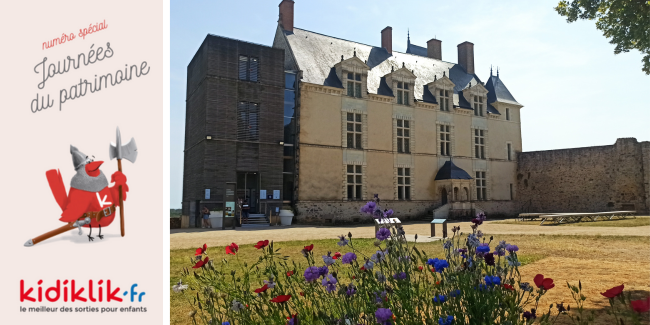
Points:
(129, 152)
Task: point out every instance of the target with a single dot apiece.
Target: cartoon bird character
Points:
(89, 196)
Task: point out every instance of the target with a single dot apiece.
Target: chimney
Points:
(286, 15)
(434, 49)
(466, 56)
(387, 39)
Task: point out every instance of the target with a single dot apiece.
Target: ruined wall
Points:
(592, 179)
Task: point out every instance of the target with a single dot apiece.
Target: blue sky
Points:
(575, 91)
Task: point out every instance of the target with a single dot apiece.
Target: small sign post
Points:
(443, 222)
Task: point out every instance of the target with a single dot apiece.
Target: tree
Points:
(625, 22)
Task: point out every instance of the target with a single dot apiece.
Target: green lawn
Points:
(639, 221)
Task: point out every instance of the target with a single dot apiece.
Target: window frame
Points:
(248, 121)
(507, 114)
(249, 66)
(403, 134)
(479, 143)
(403, 93)
(443, 95)
(354, 85)
(481, 185)
(354, 129)
(478, 105)
(444, 136)
(354, 182)
(404, 183)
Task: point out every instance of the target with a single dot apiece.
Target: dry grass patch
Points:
(637, 222)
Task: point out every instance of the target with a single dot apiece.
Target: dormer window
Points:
(444, 100)
(478, 105)
(354, 85)
(402, 93)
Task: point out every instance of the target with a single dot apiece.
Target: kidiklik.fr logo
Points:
(73, 291)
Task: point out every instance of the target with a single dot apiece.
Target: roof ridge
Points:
(347, 40)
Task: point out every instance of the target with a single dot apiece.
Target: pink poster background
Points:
(33, 143)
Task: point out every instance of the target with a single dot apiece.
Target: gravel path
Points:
(193, 237)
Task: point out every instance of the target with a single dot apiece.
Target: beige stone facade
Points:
(324, 155)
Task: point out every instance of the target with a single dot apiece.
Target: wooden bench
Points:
(591, 216)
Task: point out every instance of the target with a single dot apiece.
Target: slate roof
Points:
(316, 54)
(417, 50)
(498, 92)
(450, 171)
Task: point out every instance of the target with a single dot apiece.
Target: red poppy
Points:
(420, 268)
(613, 292)
(363, 268)
(201, 263)
(281, 298)
(509, 287)
(201, 250)
(232, 249)
(262, 289)
(309, 248)
(261, 244)
(292, 316)
(302, 293)
(437, 283)
(544, 283)
(289, 273)
(354, 277)
(336, 256)
(641, 306)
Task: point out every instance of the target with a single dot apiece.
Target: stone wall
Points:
(592, 179)
(330, 212)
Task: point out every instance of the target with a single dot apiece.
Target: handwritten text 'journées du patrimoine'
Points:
(94, 54)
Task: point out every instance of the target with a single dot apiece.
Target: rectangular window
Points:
(248, 68)
(403, 136)
(354, 181)
(507, 114)
(354, 85)
(402, 93)
(354, 130)
(481, 188)
(445, 140)
(444, 100)
(479, 144)
(403, 183)
(478, 106)
(511, 193)
(509, 148)
(248, 121)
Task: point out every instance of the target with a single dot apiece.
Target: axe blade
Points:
(128, 151)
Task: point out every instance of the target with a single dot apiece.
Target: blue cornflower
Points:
(440, 265)
(329, 282)
(440, 298)
(311, 273)
(492, 280)
(382, 234)
(448, 244)
(323, 270)
(512, 248)
(448, 321)
(483, 248)
(432, 261)
(383, 315)
(348, 258)
(455, 293)
(225, 323)
(399, 276)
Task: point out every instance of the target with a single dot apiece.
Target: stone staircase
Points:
(456, 210)
(256, 220)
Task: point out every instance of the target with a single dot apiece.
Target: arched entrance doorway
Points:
(444, 196)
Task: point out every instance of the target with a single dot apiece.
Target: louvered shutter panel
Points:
(243, 67)
(253, 69)
(253, 121)
(242, 121)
